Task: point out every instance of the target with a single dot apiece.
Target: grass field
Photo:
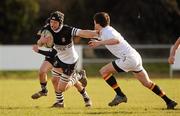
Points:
(15, 99)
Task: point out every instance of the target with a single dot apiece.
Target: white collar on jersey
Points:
(58, 29)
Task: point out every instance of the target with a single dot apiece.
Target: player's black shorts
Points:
(68, 69)
(50, 60)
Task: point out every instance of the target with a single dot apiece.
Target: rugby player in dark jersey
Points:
(46, 66)
(67, 57)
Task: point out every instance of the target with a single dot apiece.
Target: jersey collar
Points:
(59, 29)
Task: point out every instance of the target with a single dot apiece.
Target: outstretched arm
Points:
(87, 33)
(173, 52)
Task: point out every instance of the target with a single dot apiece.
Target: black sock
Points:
(156, 89)
(166, 99)
(43, 87)
(111, 81)
(82, 91)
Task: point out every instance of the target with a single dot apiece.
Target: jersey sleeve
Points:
(74, 31)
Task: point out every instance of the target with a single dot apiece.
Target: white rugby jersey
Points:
(119, 50)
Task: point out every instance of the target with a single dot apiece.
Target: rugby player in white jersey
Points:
(67, 57)
(128, 59)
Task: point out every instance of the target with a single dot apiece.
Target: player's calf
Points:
(83, 78)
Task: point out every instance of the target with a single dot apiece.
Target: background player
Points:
(171, 58)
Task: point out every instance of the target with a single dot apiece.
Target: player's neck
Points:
(60, 27)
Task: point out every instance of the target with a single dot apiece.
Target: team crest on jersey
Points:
(63, 39)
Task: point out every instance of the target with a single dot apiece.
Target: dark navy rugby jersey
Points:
(64, 36)
(63, 43)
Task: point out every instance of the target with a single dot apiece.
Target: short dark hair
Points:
(102, 18)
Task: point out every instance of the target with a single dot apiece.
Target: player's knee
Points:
(42, 73)
(104, 72)
(62, 89)
(53, 80)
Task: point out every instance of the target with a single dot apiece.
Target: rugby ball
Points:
(47, 34)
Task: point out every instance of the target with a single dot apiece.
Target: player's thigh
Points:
(62, 85)
(57, 70)
(57, 74)
(45, 67)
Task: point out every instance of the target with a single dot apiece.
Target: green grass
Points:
(15, 99)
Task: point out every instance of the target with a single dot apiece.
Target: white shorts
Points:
(131, 62)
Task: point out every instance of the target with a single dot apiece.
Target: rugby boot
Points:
(39, 94)
(171, 105)
(117, 100)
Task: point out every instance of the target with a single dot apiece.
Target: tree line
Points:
(139, 21)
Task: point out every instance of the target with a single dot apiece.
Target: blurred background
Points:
(151, 26)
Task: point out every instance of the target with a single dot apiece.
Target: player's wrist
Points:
(102, 43)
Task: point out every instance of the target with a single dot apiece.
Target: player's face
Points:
(97, 26)
(54, 25)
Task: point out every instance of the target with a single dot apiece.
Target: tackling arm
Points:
(87, 33)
